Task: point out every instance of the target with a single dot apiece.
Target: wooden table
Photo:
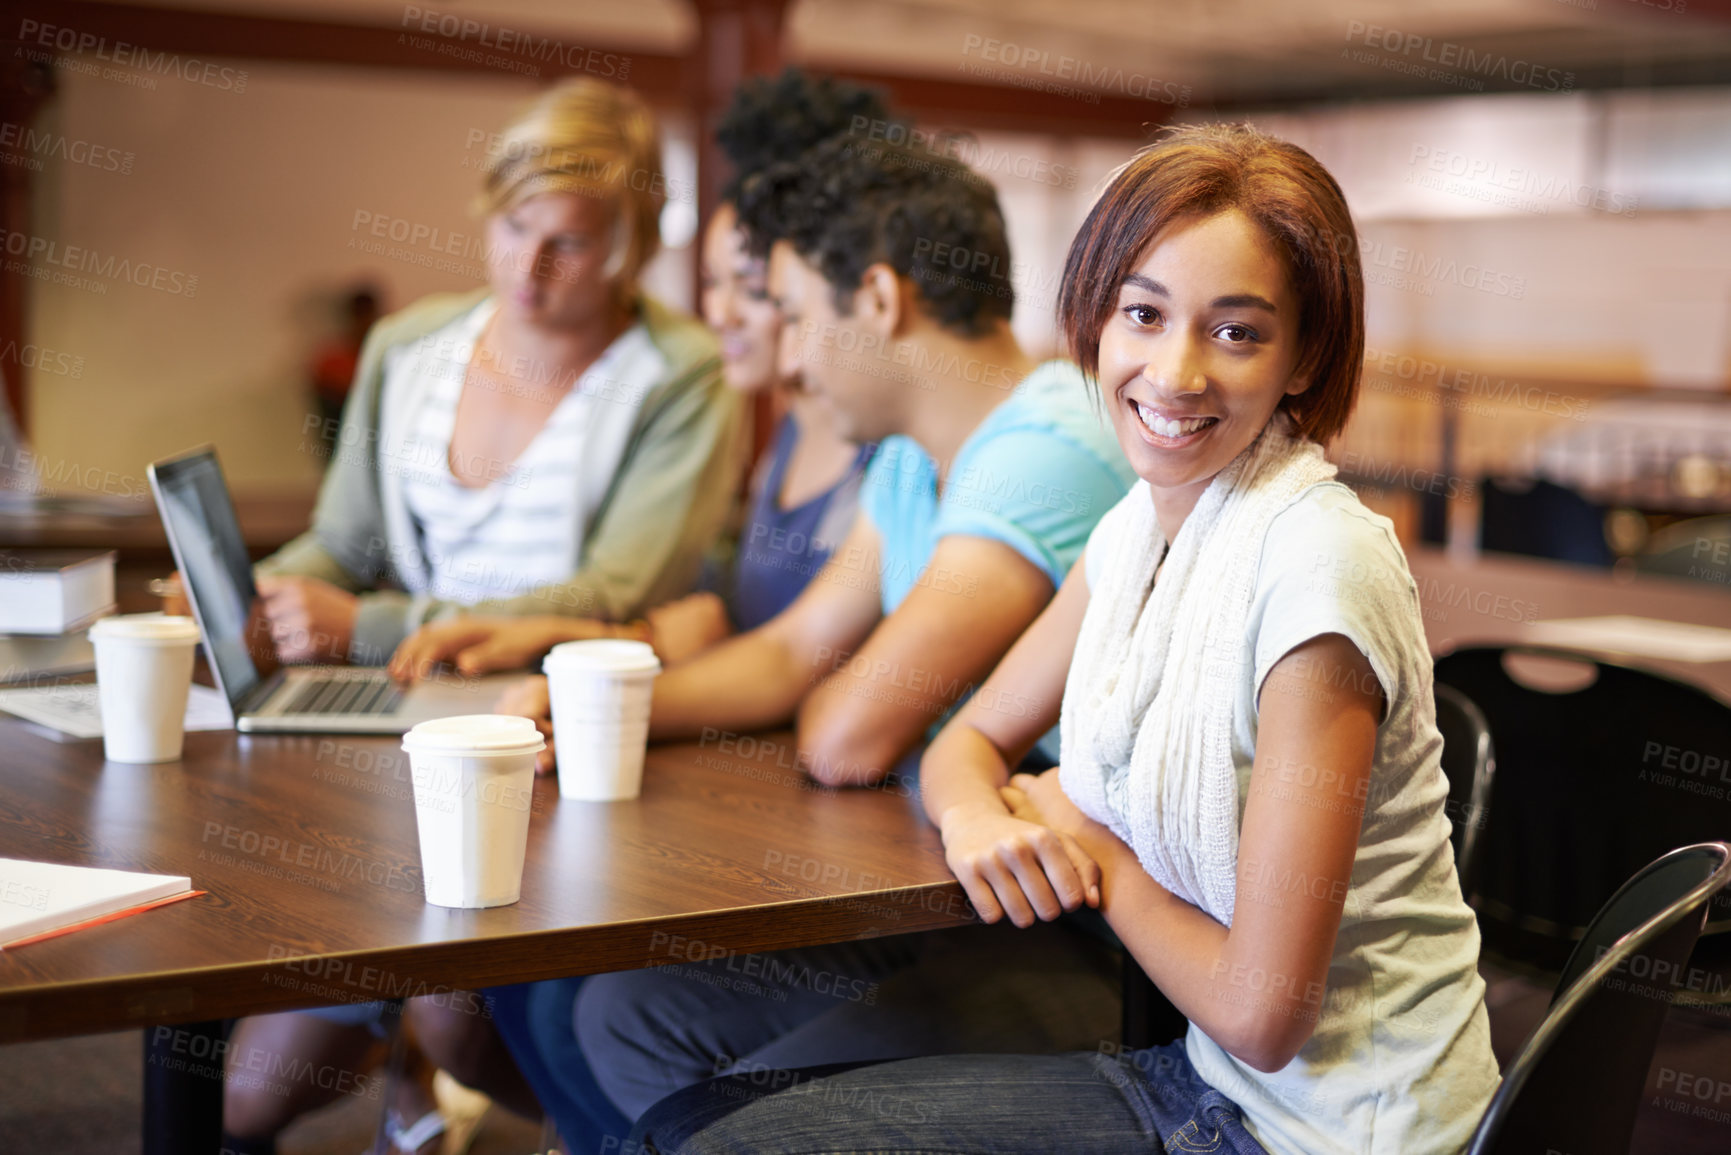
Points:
(1492, 598)
(308, 849)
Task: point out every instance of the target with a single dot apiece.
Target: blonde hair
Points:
(594, 139)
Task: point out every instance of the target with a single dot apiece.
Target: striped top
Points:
(524, 529)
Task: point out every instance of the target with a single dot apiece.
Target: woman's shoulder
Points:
(679, 337)
(1328, 535)
(1330, 565)
(425, 317)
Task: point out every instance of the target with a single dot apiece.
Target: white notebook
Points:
(73, 708)
(1642, 637)
(39, 897)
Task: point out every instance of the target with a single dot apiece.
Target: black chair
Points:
(1590, 786)
(1469, 763)
(1542, 519)
(1150, 1019)
(1698, 549)
(1577, 1084)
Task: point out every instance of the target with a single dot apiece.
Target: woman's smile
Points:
(1169, 428)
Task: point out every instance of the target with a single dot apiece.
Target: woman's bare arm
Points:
(1011, 868)
(1256, 989)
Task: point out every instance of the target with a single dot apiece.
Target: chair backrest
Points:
(1149, 1018)
(1698, 549)
(1577, 1084)
(1469, 763)
(1542, 519)
(1590, 785)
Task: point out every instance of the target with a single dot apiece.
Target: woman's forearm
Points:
(961, 769)
(1261, 1018)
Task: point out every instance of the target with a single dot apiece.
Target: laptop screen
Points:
(215, 571)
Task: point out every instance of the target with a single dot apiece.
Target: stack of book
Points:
(47, 599)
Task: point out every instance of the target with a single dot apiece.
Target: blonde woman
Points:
(557, 443)
(805, 488)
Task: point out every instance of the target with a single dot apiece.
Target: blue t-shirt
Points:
(1036, 474)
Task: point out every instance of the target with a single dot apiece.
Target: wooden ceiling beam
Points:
(440, 42)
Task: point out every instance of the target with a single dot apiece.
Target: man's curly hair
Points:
(777, 119)
(851, 202)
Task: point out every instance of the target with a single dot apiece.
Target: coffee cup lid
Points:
(475, 734)
(164, 629)
(604, 656)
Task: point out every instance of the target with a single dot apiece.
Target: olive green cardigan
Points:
(643, 546)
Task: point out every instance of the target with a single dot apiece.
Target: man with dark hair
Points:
(849, 204)
(890, 268)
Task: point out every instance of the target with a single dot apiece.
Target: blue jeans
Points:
(534, 1019)
(968, 990)
(1080, 1104)
(652, 1032)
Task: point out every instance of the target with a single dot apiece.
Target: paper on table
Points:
(73, 709)
(40, 897)
(1643, 637)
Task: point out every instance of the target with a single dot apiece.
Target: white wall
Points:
(1531, 285)
(257, 194)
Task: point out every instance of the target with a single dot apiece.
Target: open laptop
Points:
(264, 695)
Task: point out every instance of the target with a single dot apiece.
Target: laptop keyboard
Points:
(345, 695)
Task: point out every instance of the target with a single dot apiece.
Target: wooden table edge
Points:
(320, 979)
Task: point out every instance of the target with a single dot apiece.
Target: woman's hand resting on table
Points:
(173, 595)
(529, 698)
(1025, 864)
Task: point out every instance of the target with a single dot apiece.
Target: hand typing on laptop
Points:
(482, 644)
(310, 620)
(477, 644)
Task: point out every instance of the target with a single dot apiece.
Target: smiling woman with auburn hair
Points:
(1250, 789)
(1293, 201)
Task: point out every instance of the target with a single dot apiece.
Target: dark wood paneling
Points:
(742, 38)
(251, 37)
(24, 86)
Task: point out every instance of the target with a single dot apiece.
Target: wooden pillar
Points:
(25, 85)
(735, 39)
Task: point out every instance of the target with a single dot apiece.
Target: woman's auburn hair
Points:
(588, 138)
(1200, 170)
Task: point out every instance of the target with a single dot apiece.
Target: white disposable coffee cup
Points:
(600, 692)
(143, 677)
(474, 779)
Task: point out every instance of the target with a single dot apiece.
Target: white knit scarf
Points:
(1154, 679)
